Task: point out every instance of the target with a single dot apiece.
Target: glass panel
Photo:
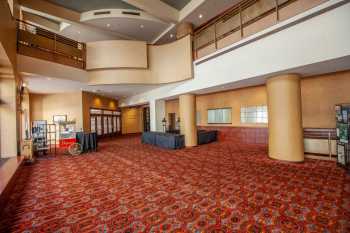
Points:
(118, 124)
(198, 117)
(105, 125)
(254, 114)
(227, 24)
(110, 125)
(93, 124)
(114, 124)
(257, 9)
(95, 111)
(99, 125)
(107, 112)
(220, 116)
(205, 37)
(280, 2)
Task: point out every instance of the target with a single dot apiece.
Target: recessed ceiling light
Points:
(24, 84)
(78, 32)
(48, 78)
(108, 25)
(142, 26)
(171, 35)
(200, 16)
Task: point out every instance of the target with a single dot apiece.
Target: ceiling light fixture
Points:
(142, 26)
(78, 32)
(171, 35)
(200, 16)
(108, 25)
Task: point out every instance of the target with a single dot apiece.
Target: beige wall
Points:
(251, 96)
(319, 94)
(91, 100)
(116, 54)
(75, 105)
(45, 106)
(166, 63)
(172, 106)
(132, 120)
(8, 118)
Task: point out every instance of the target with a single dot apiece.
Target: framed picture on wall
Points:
(59, 118)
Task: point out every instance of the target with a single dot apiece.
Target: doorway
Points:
(172, 121)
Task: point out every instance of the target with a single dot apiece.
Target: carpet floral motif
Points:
(220, 187)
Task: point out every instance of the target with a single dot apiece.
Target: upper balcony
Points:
(243, 20)
(37, 42)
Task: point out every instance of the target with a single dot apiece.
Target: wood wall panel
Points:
(91, 100)
(132, 120)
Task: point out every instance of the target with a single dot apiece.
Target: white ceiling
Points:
(95, 27)
(44, 85)
(131, 27)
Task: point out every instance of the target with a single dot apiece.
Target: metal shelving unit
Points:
(343, 135)
(44, 137)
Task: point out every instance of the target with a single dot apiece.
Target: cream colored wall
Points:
(45, 106)
(132, 120)
(252, 96)
(167, 63)
(8, 118)
(91, 100)
(172, 106)
(116, 54)
(319, 94)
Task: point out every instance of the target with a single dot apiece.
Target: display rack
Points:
(44, 137)
(343, 132)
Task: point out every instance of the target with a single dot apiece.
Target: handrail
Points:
(209, 30)
(62, 49)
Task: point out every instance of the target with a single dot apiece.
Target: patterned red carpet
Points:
(220, 187)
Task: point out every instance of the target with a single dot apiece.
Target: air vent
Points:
(130, 13)
(102, 13)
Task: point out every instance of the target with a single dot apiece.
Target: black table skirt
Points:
(88, 141)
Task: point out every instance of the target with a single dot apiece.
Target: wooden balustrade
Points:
(40, 43)
(245, 19)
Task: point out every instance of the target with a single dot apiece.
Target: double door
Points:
(105, 125)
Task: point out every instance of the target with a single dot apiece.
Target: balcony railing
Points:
(40, 43)
(245, 19)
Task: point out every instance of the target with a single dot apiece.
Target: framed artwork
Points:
(59, 118)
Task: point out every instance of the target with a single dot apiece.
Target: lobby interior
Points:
(175, 116)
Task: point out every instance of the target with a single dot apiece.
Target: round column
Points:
(183, 29)
(187, 107)
(285, 118)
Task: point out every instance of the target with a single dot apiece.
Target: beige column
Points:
(285, 119)
(187, 107)
(183, 29)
